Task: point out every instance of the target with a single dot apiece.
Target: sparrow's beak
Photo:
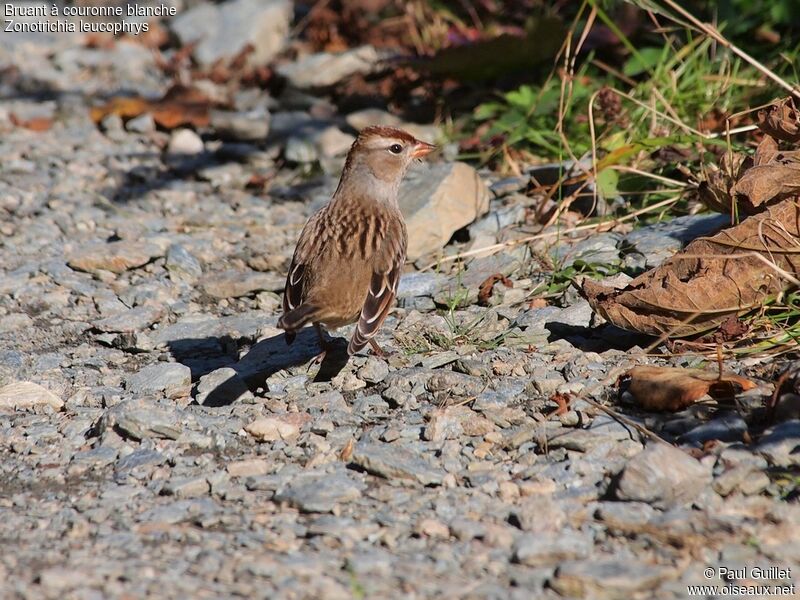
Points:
(421, 149)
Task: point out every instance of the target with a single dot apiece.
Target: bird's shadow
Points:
(263, 359)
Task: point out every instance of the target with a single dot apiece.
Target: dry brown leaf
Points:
(537, 303)
(34, 124)
(732, 329)
(346, 453)
(675, 388)
(711, 279)
(563, 401)
(769, 181)
(124, 107)
(781, 120)
(181, 106)
(715, 188)
(486, 288)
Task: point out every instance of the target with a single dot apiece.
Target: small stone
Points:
(300, 150)
(182, 265)
(532, 488)
(174, 380)
(272, 429)
(133, 319)
(395, 462)
(115, 257)
(432, 528)
(625, 515)
(755, 484)
(374, 370)
(144, 123)
(222, 387)
(322, 493)
(663, 476)
(729, 481)
(552, 548)
(509, 185)
(186, 487)
(249, 126)
(248, 468)
(442, 426)
(539, 513)
(781, 444)
(61, 579)
(413, 285)
(26, 395)
(509, 491)
(139, 420)
(726, 428)
(466, 529)
(185, 142)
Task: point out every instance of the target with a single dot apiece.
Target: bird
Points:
(347, 262)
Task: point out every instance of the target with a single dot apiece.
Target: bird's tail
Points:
(294, 319)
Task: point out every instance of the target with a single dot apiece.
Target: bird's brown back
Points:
(341, 246)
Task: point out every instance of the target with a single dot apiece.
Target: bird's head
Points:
(380, 157)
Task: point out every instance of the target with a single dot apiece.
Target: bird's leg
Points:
(376, 349)
(323, 344)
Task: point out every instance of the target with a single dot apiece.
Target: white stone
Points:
(185, 141)
(26, 395)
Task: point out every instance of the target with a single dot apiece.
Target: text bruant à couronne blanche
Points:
(53, 18)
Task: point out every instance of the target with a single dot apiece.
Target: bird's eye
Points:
(395, 148)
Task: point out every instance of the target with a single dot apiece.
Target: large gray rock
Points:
(664, 477)
(223, 30)
(437, 200)
(328, 68)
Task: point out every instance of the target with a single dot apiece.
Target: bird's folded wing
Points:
(308, 247)
(382, 291)
(293, 294)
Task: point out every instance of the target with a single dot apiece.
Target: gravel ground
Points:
(158, 438)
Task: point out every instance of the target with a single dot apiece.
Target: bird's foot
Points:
(377, 350)
(317, 360)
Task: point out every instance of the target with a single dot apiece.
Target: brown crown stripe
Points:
(387, 132)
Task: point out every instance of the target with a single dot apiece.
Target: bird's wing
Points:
(382, 287)
(299, 270)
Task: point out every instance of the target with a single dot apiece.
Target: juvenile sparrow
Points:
(348, 260)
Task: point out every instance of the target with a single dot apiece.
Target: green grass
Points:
(561, 278)
(655, 100)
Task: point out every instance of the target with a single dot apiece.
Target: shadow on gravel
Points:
(597, 339)
(263, 359)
